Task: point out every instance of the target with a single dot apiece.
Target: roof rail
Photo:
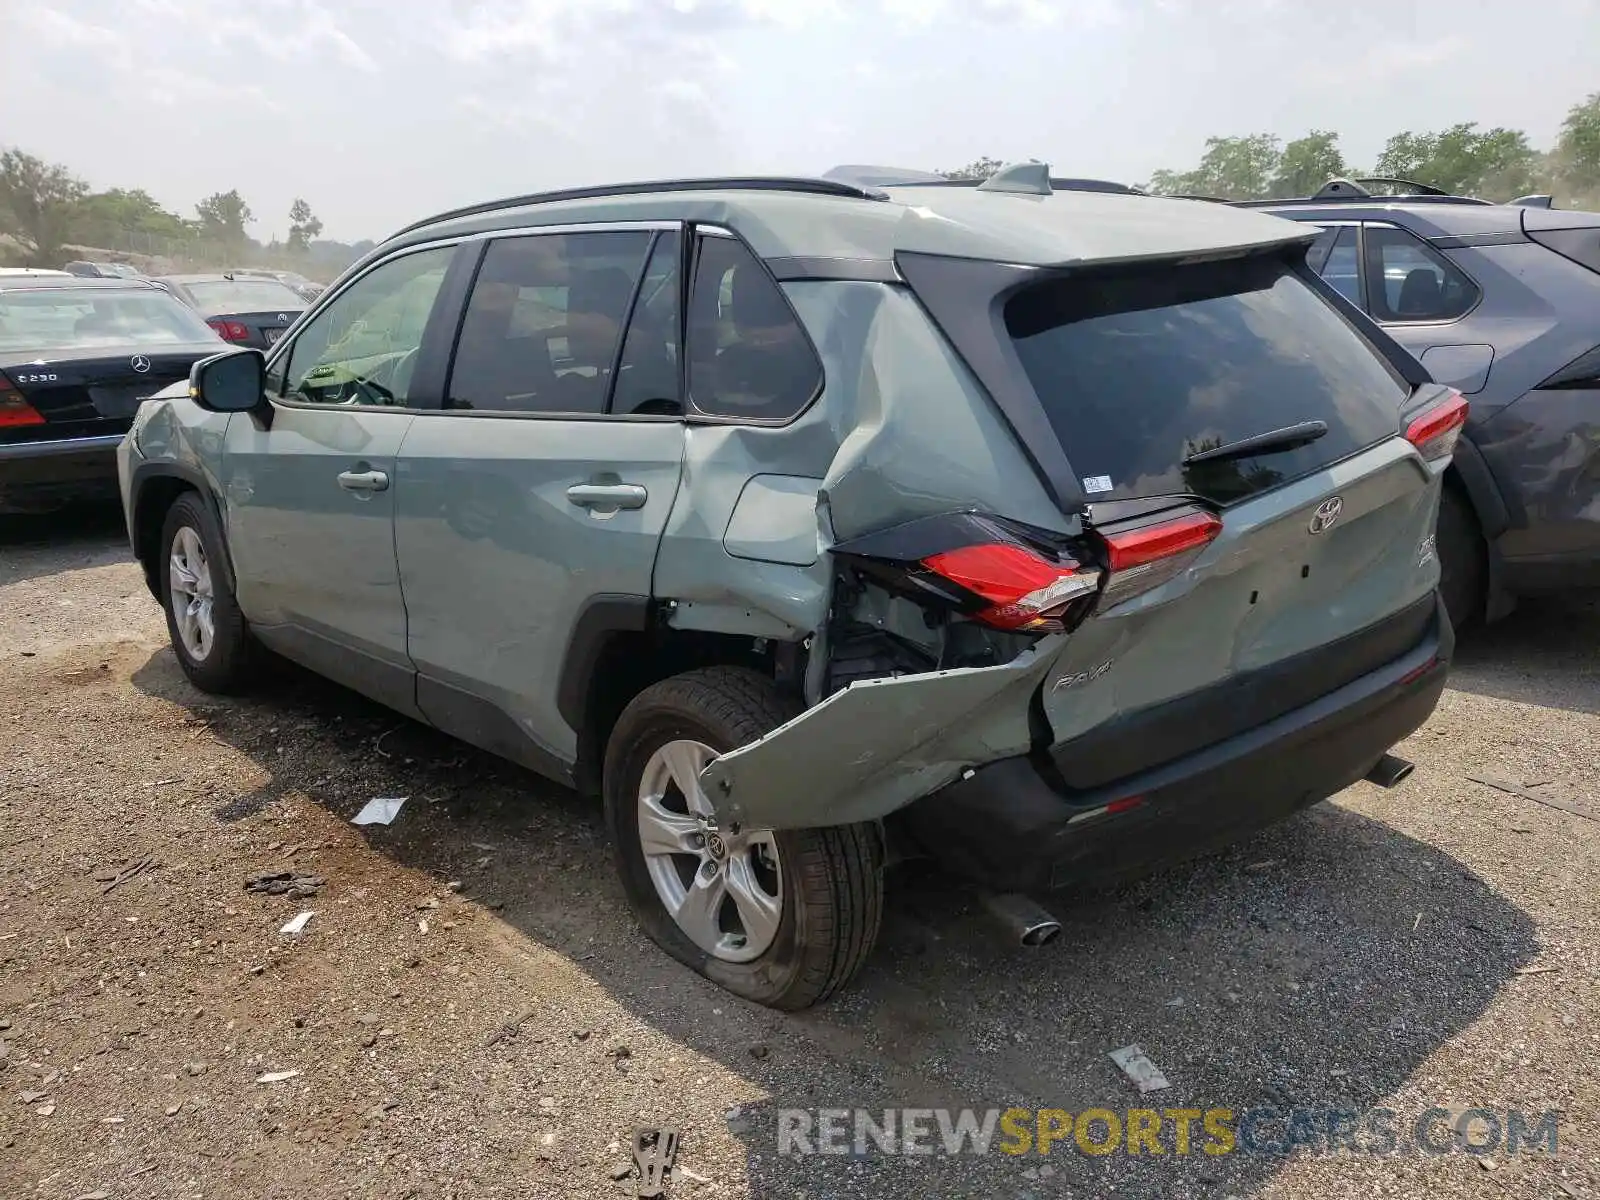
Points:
(735, 183)
(1412, 189)
(1198, 196)
(886, 177)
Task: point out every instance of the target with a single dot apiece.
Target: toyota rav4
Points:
(1046, 530)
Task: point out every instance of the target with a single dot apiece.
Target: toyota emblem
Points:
(1327, 513)
(139, 363)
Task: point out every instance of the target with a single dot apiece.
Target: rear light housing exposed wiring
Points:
(1013, 577)
(15, 411)
(1026, 591)
(1436, 431)
(229, 331)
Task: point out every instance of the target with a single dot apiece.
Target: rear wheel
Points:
(784, 918)
(1462, 558)
(208, 631)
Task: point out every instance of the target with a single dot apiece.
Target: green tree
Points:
(105, 218)
(223, 216)
(1232, 168)
(980, 168)
(1494, 163)
(303, 226)
(1307, 163)
(37, 203)
(1577, 154)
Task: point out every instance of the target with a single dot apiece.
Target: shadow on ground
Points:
(1547, 653)
(84, 535)
(1297, 969)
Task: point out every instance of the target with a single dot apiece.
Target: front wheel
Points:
(208, 631)
(784, 918)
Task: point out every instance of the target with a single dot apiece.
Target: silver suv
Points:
(1047, 531)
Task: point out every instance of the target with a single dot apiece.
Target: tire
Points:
(225, 661)
(1462, 558)
(827, 883)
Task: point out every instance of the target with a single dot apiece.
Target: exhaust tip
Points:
(1024, 922)
(1390, 770)
(1038, 935)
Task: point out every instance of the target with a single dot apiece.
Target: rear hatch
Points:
(1264, 537)
(1230, 389)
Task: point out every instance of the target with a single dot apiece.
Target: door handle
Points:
(363, 481)
(607, 495)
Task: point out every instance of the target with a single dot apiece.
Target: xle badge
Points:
(1071, 681)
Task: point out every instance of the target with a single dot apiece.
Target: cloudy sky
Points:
(380, 111)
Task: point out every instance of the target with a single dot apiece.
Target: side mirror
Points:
(234, 381)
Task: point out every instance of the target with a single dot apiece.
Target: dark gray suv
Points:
(1501, 301)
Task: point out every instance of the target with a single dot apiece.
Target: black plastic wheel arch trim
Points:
(603, 616)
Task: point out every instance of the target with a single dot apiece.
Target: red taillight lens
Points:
(231, 331)
(1436, 432)
(1025, 591)
(15, 411)
(1147, 557)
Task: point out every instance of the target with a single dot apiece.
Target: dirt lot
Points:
(472, 1013)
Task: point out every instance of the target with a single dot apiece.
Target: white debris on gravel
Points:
(380, 810)
(1137, 1067)
(297, 925)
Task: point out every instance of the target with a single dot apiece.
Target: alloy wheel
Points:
(724, 889)
(189, 593)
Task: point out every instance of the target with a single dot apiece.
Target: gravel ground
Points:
(472, 1013)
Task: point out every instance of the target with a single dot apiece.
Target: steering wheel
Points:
(396, 370)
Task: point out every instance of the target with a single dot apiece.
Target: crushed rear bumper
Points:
(1015, 826)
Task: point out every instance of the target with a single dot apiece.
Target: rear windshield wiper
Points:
(1276, 441)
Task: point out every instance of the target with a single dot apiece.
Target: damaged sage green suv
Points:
(1044, 529)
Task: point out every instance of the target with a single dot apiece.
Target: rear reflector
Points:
(230, 331)
(1024, 590)
(14, 410)
(1418, 672)
(1436, 432)
(1147, 557)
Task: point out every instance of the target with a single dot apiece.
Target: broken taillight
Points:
(1147, 556)
(14, 407)
(1436, 432)
(1025, 590)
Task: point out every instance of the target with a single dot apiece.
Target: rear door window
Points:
(544, 322)
(1139, 372)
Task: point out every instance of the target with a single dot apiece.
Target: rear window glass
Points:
(1138, 372)
(243, 296)
(96, 317)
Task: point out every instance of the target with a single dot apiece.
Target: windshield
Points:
(243, 296)
(96, 317)
(1139, 372)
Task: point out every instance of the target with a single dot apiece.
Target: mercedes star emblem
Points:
(1327, 513)
(139, 363)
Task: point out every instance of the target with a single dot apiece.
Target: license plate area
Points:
(116, 401)
(273, 335)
